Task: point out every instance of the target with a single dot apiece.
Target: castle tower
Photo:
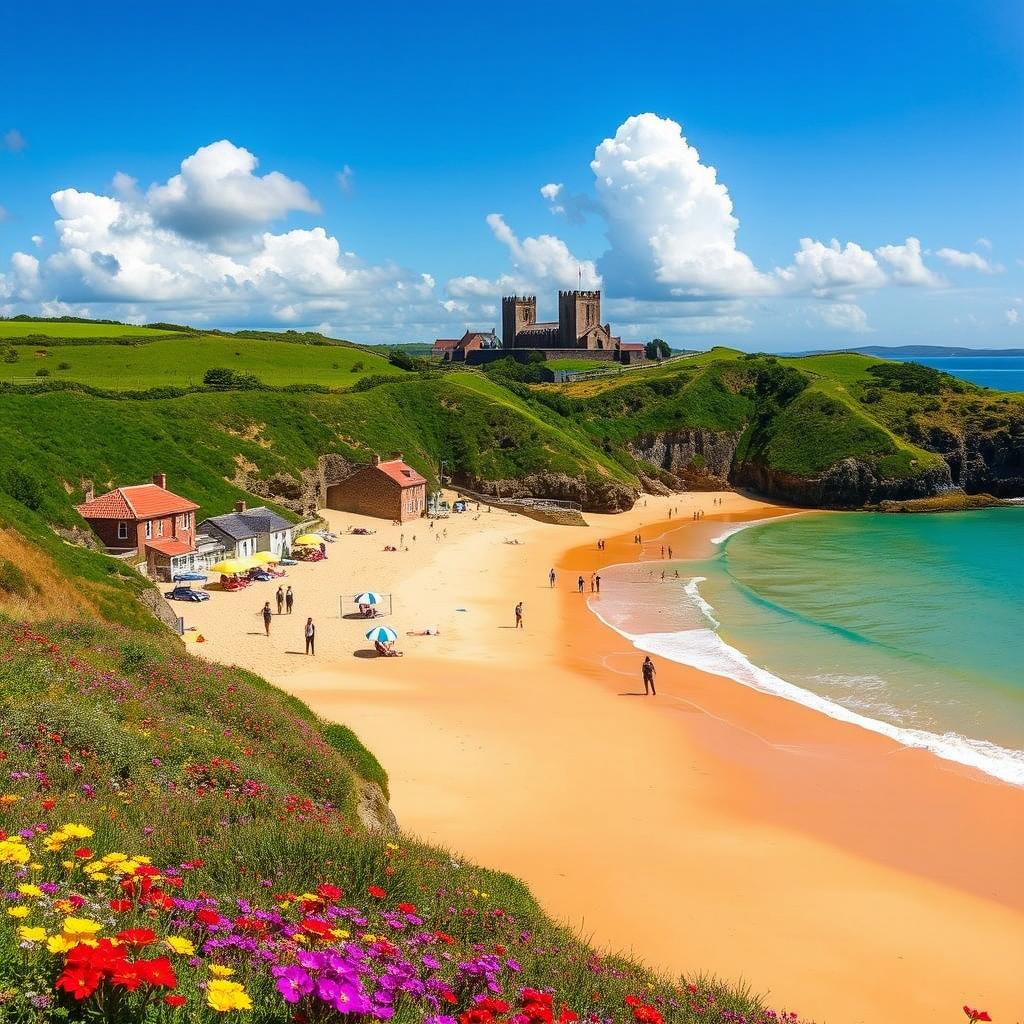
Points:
(516, 312)
(578, 311)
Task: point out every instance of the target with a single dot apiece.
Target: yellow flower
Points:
(9, 798)
(36, 866)
(69, 864)
(73, 831)
(13, 851)
(31, 934)
(80, 926)
(340, 933)
(113, 858)
(60, 943)
(299, 937)
(179, 945)
(100, 876)
(27, 889)
(220, 971)
(18, 911)
(369, 938)
(392, 846)
(223, 996)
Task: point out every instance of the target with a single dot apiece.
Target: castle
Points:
(578, 331)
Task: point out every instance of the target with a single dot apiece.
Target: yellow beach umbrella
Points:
(265, 557)
(231, 566)
(309, 539)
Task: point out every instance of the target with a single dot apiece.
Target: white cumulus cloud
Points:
(907, 265)
(826, 269)
(969, 260)
(843, 316)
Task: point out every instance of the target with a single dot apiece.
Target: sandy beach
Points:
(711, 829)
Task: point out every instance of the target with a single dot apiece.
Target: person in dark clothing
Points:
(279, 596)
(519, 615)
(648, 672)
(597, 582)
(268, 615)
(310, 636)
(580, 584)
(289, 600)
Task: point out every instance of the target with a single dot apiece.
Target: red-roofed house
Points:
(455, 350)
(632, 352)
(146, 518)
(387, 489)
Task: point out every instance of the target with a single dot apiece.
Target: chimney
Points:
(90, 493)
(160, 479)
(376, 460)
(239, 507)
(396, 455)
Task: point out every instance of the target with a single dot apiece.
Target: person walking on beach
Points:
(289, 600)
(597, 581)
(519, 615)
(279, 596)
(551, 578)
(648, 672)
(670, 552)
(310, 636)
(267, 616)
(579, 584)
(592, 582)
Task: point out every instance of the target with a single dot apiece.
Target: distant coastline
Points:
(909, 351)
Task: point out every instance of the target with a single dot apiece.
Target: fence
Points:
(569, 376)
(529, 502)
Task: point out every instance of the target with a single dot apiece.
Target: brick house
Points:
(146, 518)
(248, 530)
(387, 489)
(455, 350)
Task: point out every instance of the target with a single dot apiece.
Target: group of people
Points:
(285, 600)
(669, 551)
(268, 617)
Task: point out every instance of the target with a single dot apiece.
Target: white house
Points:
(245, 531)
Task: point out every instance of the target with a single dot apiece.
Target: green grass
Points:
(182, 361)
(577, 364)
(60, 329)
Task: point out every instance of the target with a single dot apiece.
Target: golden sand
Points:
(713, 828)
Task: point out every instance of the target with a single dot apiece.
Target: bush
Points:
(63, 366)
(910, 378)
(24, 487)
(13, 580)
(11, 355)
(218, 377)
(42, 373)
(357, 366)
(404, 361)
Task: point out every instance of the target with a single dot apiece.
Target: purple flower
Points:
(293, 983)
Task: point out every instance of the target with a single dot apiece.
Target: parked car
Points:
(186, 594)
(187, 577)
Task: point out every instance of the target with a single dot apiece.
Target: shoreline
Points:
(716, 829)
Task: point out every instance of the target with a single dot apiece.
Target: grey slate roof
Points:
(250, 523)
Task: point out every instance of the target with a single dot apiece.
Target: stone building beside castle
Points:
(577, 333)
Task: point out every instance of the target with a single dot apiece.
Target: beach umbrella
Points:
(309, 539)
(230, 566)
(368, 598)
(265, 557)
(385, 634)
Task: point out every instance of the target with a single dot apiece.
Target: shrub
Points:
(42, 373)
(13, 580)
(910, 378)
(11, 355)
(357, 366)
(63, 366)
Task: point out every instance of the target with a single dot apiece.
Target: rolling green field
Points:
(182, 361)
(59, 329)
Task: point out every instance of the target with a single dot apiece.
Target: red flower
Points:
(127, 976)
(137, 936)
(445, 938)
(83, 853)
(205, 916)
(121, 905)
(407, 908)
(567, 1016)
(315, 927)
(48, 805)
(157, 971)
(531, 995)
(492, 1005)
(634, 1001)
(973, 1015)
(329, 892)
(377, 892)
(172, 1000)
(79, 981)
(476, 1016)
(647, 1015)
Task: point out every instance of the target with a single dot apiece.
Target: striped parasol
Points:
(382, 634)
(369, 597)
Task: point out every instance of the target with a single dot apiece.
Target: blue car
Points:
(186, 594)
(188, 577)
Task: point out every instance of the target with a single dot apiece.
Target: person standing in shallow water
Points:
(310, 636)
(648, 672)
(268, 615)
(519, 615)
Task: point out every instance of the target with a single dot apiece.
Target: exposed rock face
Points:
(593, 495)
(847, 484)
(373, 810)
(697, 457)
(982, 463)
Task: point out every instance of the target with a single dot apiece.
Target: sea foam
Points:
(704, 649)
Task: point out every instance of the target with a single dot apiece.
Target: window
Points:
(160, 528)
(122, 531)
(149, 529)
(185, 520)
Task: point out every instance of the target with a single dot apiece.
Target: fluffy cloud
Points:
(218, 194)
(907, 266)
(574, 208)
(970, 260)
(671, 228)
(1013, 317)
(539, 264)
(826, 269)
(197, 247)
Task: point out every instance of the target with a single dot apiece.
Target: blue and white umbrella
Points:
(383, 634)
(368, 598)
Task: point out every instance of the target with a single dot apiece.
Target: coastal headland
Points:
(851, 878)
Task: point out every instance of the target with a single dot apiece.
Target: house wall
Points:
(161, 528)
(369, 492)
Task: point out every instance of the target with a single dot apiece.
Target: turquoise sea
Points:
(1004, 373)
(912, 625)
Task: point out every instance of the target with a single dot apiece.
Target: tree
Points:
(218, 377)
(657, 349)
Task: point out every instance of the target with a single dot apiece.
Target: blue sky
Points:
(733, 132)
